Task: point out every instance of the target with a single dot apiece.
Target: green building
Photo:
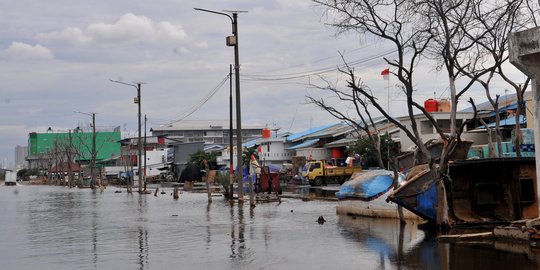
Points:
(43, 145)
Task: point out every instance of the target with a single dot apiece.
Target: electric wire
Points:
(183, 115)
(304, 74)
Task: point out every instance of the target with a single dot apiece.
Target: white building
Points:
(20, 157)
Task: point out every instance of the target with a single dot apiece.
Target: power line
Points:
(181, 116)
(320, 71)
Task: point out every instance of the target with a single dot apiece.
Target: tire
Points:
(318, 181)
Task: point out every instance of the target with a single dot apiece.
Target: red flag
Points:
(385, 72)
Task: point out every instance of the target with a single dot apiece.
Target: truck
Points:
(319, 172)
(11, 178)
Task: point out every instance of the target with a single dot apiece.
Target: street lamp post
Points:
(233, 41)
(139, 141)
(94, 153)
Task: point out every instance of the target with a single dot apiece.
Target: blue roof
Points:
(511, 121)
(307, 143)
(299, 135)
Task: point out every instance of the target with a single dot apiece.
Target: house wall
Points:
(274, 152)
(314, 153)
(155, 159)
(427, 131)
(182, 153)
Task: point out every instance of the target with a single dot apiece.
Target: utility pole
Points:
(231, 145)
(93, 167)
(145, 152)
(233, 41)
(139, 141)
(93, 151)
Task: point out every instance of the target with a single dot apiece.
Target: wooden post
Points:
(207, 176)
(175, 193)
(155, 193)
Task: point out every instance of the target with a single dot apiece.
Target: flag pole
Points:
(388, 128)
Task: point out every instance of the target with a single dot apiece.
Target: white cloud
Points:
(71, 34)
(129, 28)
(167, 30)
(23, 51)
(132, 28)
(286, 4)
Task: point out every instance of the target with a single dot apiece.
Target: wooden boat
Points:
(406, 161)
(481, 191)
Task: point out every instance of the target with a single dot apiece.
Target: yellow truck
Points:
(318, 173)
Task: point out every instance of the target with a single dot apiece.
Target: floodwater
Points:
(43, 227)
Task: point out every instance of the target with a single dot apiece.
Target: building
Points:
(47, 148)
(20, 157)
(216, 133)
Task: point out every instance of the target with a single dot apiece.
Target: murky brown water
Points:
(60, 228)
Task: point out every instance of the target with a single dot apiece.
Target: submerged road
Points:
(43, 227)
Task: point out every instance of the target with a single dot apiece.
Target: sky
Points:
(58, 57)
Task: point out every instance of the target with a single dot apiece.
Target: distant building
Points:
(44, 148)
(20, 157)
(215, 133)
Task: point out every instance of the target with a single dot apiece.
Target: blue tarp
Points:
(366, 186)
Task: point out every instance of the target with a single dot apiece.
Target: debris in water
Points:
(321, 220)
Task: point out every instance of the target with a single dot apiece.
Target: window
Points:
(426, 127)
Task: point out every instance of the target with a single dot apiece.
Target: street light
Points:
(94, 154)
(233, 41)
(139, 142)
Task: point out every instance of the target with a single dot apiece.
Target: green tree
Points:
(365, 148)
(199, 157)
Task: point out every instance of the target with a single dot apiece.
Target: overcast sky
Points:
(57, 57)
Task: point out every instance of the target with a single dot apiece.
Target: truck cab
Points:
(318, 173)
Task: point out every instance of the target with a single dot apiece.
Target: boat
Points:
(479, 191)
(365, 195)
(435, 147)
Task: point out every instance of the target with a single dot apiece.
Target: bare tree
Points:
(361, 109)
(443, 31)
(393, 22)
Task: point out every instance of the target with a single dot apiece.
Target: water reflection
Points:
(52, 228)
(404, 247)
(143, 247)
(208, 226)
(142, 237)
(94, 227)
(393, 242)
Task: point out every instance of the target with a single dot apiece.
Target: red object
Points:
(266, 133)
(161, 140)
(430, 105)
(338, 153)
(274, 177)
(385, 72)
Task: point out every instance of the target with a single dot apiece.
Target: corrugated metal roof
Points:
(300, 135)
(511, 121)
(307, 143)
(341, 142)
